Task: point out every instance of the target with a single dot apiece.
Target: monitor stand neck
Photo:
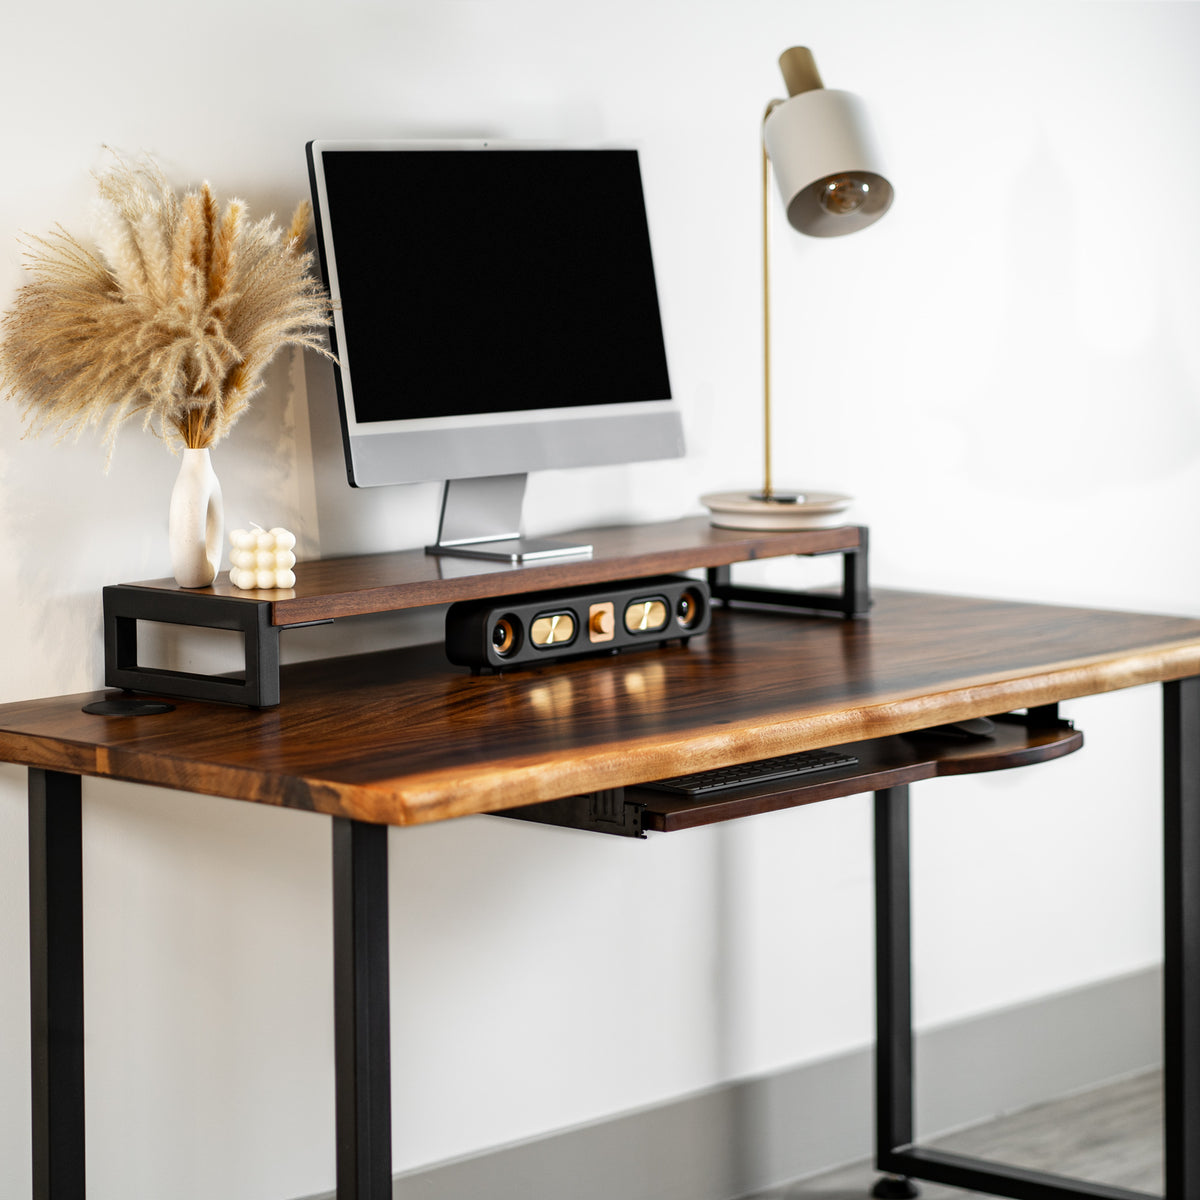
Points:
(481, 518)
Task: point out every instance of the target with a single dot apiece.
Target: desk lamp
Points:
(827, 172)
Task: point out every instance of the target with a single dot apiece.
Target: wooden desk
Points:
(402, 738)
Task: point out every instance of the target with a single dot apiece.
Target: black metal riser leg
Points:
(362, 1036)
(1181, 951)
(56, 984)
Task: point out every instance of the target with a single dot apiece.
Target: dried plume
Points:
(172, 316)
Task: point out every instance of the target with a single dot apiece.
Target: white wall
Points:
(1003, 371)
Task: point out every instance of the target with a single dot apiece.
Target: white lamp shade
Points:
(813, 137)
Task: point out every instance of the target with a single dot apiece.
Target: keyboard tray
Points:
(1019, 740)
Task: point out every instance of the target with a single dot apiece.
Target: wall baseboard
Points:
(756, 1134)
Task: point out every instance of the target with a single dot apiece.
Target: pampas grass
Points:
(171, 317)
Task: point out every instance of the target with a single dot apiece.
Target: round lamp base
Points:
(784, 510)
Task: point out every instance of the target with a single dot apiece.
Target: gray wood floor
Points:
(1110, 1135)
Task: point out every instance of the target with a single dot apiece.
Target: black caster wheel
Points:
(895, 1188)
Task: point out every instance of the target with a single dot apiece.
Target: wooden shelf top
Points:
(403, 737)
(355, 586)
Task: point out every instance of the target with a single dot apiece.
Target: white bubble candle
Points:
(262, 559)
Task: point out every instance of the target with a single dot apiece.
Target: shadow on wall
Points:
(258, 463)
(354, 520)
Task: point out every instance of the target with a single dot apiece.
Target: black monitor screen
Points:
(493, 280)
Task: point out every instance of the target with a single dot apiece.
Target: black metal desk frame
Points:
(895, 1150)
(361, 983)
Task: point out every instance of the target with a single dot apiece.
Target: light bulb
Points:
(841, 195)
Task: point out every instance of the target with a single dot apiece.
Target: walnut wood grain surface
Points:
(403, 737)
(327, 589)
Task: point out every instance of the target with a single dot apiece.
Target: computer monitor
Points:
(495, 313)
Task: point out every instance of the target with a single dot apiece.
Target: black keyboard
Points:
(767, 770)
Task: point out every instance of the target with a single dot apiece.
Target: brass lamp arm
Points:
(766, 277)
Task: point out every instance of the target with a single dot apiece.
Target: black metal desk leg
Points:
(893, 991)
(362, 1036)
(1181, 957)
(56, 984)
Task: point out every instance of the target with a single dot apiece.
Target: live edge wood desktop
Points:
(402, 737)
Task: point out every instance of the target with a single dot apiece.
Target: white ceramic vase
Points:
(197, 523)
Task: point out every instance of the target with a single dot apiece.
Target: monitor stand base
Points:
(481, 518)
(514, 550)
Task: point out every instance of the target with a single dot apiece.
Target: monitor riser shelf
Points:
(334, 589)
